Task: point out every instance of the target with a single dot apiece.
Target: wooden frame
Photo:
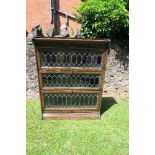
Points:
(71, 44)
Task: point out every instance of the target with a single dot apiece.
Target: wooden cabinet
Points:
(71, 76)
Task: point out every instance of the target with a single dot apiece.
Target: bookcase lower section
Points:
(71, 116)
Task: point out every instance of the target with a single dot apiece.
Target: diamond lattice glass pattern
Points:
(70, 100)
(67, 80)
(52, 58)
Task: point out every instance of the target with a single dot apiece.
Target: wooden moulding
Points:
(70, 110)
(52, 89)
(71, 70)
(66, 40)
(70, 90)
(71, 116)
(71, 43)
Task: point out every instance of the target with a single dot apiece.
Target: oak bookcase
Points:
(70, 76)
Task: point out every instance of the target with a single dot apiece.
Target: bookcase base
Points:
(70, 116)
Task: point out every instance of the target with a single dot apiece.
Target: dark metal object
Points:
(26, 33)
(54, 15)
(67, 16)
(54, 11)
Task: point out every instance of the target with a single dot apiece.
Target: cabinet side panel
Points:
(37, 56)
(102, 76)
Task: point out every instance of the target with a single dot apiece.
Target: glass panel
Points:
(70, 100)
(67, 80)
(53, 58)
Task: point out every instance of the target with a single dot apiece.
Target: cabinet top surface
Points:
(78, 40)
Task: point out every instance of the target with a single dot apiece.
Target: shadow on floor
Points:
(107, 103)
